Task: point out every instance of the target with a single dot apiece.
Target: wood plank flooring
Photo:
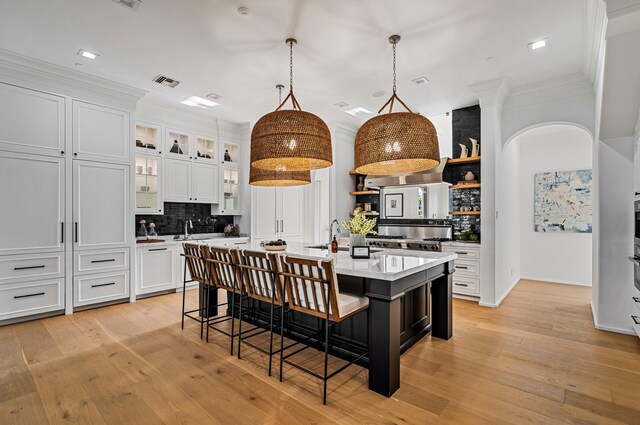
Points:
(535, 360)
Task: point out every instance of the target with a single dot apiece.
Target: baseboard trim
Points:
(609, 328)
(564, 282)
(507, 292)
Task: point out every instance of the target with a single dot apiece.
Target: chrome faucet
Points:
(331, 230)
(187, 225)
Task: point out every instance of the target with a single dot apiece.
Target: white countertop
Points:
(388, 264)
(197, 238)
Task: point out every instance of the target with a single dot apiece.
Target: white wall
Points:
(554, 257)
(508, 264)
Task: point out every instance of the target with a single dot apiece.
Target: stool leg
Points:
(233, 317)
(203, 309)
(271, 330)
(207, 313)
(326, 359)
(239, 328)
(184, 289)
(282, 312)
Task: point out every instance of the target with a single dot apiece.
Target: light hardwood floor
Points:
(535, 360)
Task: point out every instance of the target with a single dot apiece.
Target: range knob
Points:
(384, 244)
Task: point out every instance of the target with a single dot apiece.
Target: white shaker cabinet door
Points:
(177, 181)
(100, 133)
(205, 183)
(100, 205)
(31, 121)
(156, 269)
(291, 211)
(32, 197)
(264, 214)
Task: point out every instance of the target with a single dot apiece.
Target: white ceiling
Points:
(342, 53)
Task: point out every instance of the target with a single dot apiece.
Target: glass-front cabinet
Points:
(148, 185)
(206, 149)
(178, 144)
(230, 202)
(148, 138)
(229, 153)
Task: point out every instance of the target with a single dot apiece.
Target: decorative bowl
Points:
(275, 247)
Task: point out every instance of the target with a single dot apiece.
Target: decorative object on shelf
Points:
(144, 188)
(475, 149)
(139, 169)
(563, 202)
(142, 229)
(464, 151)
(469, 236)
(151, 146)
(227, 156)
(470, 177)
(476, 208)
(367, 207)
(149, 171)
(360, 185)
(359, 227)
(258, 177)
(175, 148)
(396, 143)
(139, 143)
(152, 230)
(393, 205)
(292, 139)
(231, 230)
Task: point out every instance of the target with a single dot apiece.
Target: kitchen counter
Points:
(210, 238)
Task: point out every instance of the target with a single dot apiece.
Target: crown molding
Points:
(550, 90)
(22, 70)
(491, 92)
(343, 133)
(623, 17)
(595, 27)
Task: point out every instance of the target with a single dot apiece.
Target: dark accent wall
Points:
(175, 214)
(466, 124)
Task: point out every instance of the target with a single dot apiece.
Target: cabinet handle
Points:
(635, 319)
(28, 295)
(97, 285)
(281, 225)
(157, 249)
(462, 267)
(76, 231)
(62, 232)
(636, 299)
(103, 261)
(28, 267)
(461, 284)
(276, 226)
(460, 253)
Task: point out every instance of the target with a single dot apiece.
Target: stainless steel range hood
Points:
(433, 176)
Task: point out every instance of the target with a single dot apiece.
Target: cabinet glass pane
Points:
(178, 143)
(205, 148)
(146, 137)
(231, 152)
(146, 182)
(231, 190)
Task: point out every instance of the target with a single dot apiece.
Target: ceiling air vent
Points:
(131, 4)
(420, 81)
(166, 81)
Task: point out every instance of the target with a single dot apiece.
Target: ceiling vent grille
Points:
(131, 4)
(420, 81)
(166, 81)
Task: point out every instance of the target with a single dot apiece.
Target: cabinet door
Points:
(100, 133)
(32, 199)
(101, 205)
(263, 205)
(148, 185)
(157, 270)
(177, 181)
(290, 224)
(230, 204)
(31, 121)
(205, 183)
(178, 144)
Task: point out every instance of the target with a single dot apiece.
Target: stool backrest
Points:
(221, 264)
(195, 262)
(311, 286)
(258, 271)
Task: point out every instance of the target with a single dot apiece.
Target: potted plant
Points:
(359, 227)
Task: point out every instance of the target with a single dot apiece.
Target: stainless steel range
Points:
(410, 236)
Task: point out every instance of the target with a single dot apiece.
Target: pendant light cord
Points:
(291, 66)
(394, 67)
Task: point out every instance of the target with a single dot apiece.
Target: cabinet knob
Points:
(191, 199)
(159, 153)
(75, 154)
(61, 152)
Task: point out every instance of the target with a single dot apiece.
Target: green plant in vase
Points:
(359, 227)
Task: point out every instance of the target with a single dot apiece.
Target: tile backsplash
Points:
(175, 214)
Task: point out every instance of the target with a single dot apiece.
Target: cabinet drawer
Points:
(100, 288)
(468, 253)
(24, 299)
(15, 268)
(466, 285)
(467, 268)
(97, 261)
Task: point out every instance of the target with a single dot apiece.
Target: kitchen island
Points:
(410, 295)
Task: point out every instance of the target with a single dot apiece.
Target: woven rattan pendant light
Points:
(258, 177)
(396, 142)
(291, 139)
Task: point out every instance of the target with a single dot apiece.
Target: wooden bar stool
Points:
(311, 288)
(261, 283)
(195, 264)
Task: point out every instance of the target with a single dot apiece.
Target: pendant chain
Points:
(394, 67)
(279, 95)
(291, 66)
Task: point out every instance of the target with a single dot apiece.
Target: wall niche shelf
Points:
(465, 186)
(464, 212)
(365, 192)
(464, 160)
(367, 214)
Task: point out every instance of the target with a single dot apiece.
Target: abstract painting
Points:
(562, 201)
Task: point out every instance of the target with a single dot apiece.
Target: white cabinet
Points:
(100, 133)
(466, 279)
(101, 288)
(156, 269)
(190, 181)
(148, 138)
(31, 121)
(230, 187)
(277, 213)
(148, 185)
(32, 199)
(100, 205)
(28, 298)
(229, 154)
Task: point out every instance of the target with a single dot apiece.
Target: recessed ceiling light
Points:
(131, 4)
(379, 93)
(420, 81)
(535, 45)
(243, 11)
(213, 96)
(87, 54)
(200, 102)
